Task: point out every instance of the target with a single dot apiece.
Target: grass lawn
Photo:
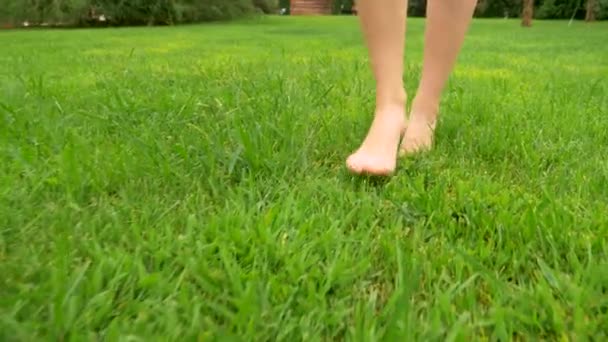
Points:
(188, 183)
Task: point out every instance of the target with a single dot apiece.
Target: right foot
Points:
(378, 153)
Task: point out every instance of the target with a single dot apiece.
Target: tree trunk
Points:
(527, 13)
(591, 7)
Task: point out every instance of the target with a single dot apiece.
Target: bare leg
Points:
(383, 25)
(447, 23)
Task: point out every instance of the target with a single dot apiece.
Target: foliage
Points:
(602, 11)
(266, 6)
(131, 12)
(416, 8)
(564, 9)
(137, 12)
(558, 9)
(167, 12)
(498, 8)
(45, 10)
(209, 10)
(285, 4)
(342, 6)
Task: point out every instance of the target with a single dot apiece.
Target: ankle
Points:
(397, 99)
(426, 108)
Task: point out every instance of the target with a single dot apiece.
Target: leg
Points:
(383, 25)
(447, 23)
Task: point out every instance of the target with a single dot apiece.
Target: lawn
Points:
(188, 183)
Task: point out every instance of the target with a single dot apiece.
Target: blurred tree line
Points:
(129, 12)
(169, 12)
(543, 9)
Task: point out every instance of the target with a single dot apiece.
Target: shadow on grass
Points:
(366, 180)
(408, 167)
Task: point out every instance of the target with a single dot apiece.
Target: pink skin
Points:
(383, 25)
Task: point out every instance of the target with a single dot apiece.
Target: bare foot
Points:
(419, 134)
(378, 154)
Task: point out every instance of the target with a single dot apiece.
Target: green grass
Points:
(188, 183)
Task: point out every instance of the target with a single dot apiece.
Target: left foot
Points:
(419, 134)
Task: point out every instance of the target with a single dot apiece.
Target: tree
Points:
(591, 8)
(128, 12)
(527, 13)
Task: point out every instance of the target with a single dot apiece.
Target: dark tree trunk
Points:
(591, 7)
(527, 13)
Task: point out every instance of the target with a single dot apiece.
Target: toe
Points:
(353, 164)
(385, 170)
(379, 167)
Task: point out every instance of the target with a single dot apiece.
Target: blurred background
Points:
(83, 13)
